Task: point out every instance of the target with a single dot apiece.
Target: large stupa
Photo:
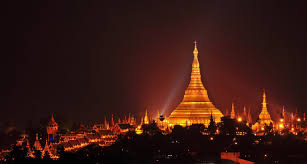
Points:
(196, 107)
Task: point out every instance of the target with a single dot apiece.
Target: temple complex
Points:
(196, 106)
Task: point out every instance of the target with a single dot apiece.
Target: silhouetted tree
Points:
(212, 126)
(196, 130)
(227, 126)
(178, 131)
(151, 129)
(60, 152)
(47, 156)
(17, 154)
(38, 154)
(268, 129)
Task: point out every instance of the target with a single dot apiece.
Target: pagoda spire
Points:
(232, 114)
(106, 124)
(195, 52)
(195, 83)
(112, 120)
(264, 104)
(46, 149)
(244, 113)
(211, 117)
(283, 114)
(146, 120)
(52, 118)
(37, 145)
(196, 105)
(264, 114)
(249, 116)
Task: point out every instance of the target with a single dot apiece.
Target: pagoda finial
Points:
(52, 118)
(195, 52)
(244, 112)
(283, 111)
(146, 120)
(232, 113)
(264, 104)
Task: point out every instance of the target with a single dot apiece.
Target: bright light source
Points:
(281, 125)
(298, 119)
(240, 119)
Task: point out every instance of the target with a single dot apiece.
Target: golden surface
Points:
(196, 106)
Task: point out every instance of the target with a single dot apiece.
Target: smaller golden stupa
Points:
(264, 116)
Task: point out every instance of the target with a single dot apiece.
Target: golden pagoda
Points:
(146, 120)
(196, 106)
(264, 116)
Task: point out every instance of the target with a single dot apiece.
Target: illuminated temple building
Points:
(196, 106)
(264, 116)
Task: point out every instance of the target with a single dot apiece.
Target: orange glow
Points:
(281, 126)
(211, 138)
(281, 120)
(298, 120)
(239, 119)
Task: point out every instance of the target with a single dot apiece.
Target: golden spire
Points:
(264, 104)
(264, 115)
(283, 112)
(232, 114)
(106, 124)
(249, 116)
(196, 91)
(195, 52)
(244, 113)
(196, 105)
(146, 121)
(112, 120)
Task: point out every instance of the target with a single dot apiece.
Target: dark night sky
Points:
(82, 60)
